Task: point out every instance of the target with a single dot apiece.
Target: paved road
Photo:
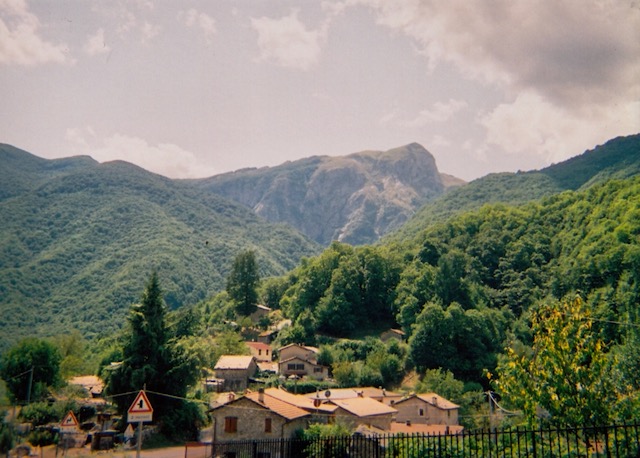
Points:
(168, 452)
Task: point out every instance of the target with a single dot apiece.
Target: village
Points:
(274, 413)
(243, 407)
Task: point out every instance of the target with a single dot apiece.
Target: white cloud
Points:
(568, 69)
(572, 52)
(439, 112)
(130, 18)
(287, 42)
(166, 159)
(96, 44)
(193, 18)
(149, 31)
(20, 40)
(532, 125)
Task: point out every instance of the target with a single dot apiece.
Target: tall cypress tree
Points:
(243, 281)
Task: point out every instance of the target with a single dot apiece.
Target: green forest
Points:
(534, 301)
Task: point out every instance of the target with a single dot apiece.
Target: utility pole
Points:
(30, 384)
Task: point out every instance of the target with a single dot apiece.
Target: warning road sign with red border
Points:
(69, 421)
(140, 409)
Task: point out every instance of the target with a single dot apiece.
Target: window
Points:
(259, 351)
(299, 367)
(317, 370)
(295, 367)
(421, 412)
(230, 424)
(267, 425)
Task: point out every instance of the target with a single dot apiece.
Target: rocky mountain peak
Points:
(355, 198)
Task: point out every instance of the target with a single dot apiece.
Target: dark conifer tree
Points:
(152, 362)
(243, 281)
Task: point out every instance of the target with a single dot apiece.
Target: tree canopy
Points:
(33, 364)
(152, 361)
(243, 282)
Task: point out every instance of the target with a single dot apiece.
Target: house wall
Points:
(308, 369)
(409, 410)
(236, 379)
(261, 354)
(379, 421)
(251, 422)
(297, 351)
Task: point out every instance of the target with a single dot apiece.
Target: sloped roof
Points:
(284, 409)
(299, 400)
(299, 358)
(433, 399)
(234, 362)
(306, 347)
(348, 393)
(259, 345)
(364, 407)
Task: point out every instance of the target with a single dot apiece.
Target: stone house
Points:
(260, 312)
(300, 360)
(364, 411)
(257, 415)
(235, 371)
(427, 409)
(260, 351)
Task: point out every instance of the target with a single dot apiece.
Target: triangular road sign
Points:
(140, 409)
(141, 404)
(69, 421)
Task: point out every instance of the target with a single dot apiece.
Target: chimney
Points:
(231, 397)
(261, 395)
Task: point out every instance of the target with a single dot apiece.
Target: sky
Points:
(191, 89)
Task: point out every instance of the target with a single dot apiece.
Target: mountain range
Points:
(78, 239)
(354, 199)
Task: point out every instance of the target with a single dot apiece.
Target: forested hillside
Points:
(617, 158)
(461, 287)
(78, 239)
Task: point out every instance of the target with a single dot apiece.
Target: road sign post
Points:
(140, 411)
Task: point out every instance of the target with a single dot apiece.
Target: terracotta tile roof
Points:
(233, 362)
(313, 349)
(259, 345)
(349, 393)
(268, 366)
(297, 358)
(284, 409)
(364, 407)
(438, 401)
(434, 430)
(299, 400)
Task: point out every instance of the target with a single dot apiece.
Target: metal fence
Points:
(598, 441)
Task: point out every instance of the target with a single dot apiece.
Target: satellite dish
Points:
(327, 394)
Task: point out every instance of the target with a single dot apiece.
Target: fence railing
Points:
(621, 441)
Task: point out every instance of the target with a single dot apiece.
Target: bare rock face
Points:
(354, 199)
